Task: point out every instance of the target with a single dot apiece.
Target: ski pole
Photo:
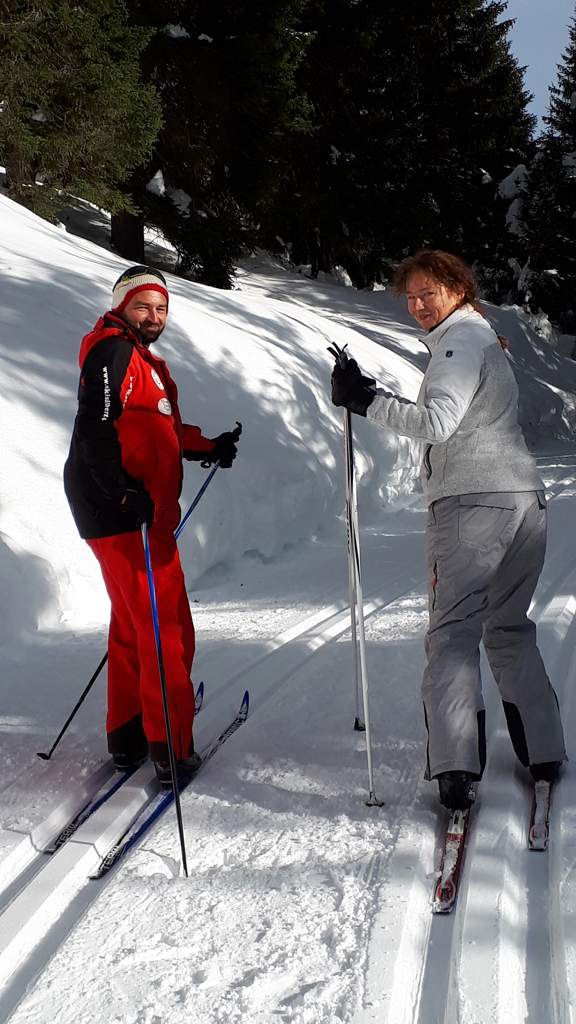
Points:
(372, 798)
(235, 436)
(47, 755)
(358, 719)
(187, 514)
(163, 687)
(359, 726)
(89, 685)
(357, 612)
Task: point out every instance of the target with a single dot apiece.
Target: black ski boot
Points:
(546, 771)
(129, 762)
(456, 790)
(185, 768)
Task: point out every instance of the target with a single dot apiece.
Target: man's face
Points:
(429, 301)
(147, 312)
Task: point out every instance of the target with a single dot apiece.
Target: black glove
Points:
(351, 389)
(224, 450)
(191, 455)
(140, 504)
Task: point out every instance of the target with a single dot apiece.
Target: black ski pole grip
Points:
(235, 437)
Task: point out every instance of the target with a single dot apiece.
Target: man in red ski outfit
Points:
(124, 469)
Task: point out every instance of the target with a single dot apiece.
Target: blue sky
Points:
(538, 40)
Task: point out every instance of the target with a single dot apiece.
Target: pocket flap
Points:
(491, 499)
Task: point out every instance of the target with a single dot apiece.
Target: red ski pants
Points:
(134, 691)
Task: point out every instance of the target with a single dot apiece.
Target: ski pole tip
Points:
(373, 801)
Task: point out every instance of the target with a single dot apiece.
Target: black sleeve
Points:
(99, 406)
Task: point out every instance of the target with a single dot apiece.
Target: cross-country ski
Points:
(152, 812)
(446, 889)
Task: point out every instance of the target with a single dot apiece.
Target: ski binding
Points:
(539, 821)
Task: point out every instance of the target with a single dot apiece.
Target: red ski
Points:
(452, 857)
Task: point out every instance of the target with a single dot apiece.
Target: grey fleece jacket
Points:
(466, 411)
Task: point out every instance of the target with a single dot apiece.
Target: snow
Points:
(180, 198)
(176, 32)
(569, 162)
(157, 187)
(303, 904)
(514, 183)
(156, 184)
(514, 221)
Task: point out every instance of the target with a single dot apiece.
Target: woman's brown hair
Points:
(448, 270)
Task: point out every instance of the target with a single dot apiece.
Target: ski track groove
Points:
(290, 650)
(470, 967)
(427, 947)
(517, 892)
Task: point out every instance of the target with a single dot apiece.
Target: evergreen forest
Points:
(332, 133)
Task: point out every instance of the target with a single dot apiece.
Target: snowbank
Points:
(258, 355)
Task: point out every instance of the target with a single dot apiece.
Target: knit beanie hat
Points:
(137, 279)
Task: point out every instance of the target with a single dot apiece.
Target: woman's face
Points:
(430, 302)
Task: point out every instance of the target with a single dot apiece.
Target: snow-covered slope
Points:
(303, 904)
(258, 355)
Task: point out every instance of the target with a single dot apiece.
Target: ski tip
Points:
(245, 705)
(42, 755)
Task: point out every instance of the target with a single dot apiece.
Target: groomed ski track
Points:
(507, 953)
(42, 899)
(515, 909)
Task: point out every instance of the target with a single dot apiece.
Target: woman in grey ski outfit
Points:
(486, 528)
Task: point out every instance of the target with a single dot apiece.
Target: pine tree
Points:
(225, 73)
(551, 207)
(75, 117)
(419, 111)
(472, 128)
(323, 211)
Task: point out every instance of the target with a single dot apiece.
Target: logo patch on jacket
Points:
(164, 406)
(449, 353)
(156, 379)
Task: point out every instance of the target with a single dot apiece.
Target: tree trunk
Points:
(19, 169)
(127, 236)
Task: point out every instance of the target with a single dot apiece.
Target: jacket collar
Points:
(434, 337)
(108, 326)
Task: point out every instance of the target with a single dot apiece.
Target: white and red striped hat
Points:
(137, 279)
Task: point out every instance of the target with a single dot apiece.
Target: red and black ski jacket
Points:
(127, 434)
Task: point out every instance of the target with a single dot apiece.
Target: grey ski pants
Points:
(484, 554)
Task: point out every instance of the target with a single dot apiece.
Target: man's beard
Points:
(149, 336)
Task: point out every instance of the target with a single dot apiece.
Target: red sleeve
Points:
(193, 439)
